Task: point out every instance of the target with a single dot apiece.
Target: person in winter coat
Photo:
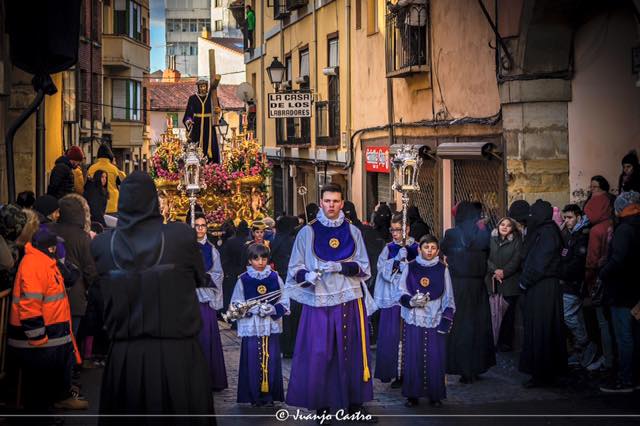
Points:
(419, 227)
(230, 255)
(503, 274)
(630, 177)
(73, 226)
(148, 274)
(40, 327)
(544, 354)
(470, 344)
(105, 163)
(96, 192)
(619, 276)
(61, 180)
(572, 273)
(598, 210)
(12, 223)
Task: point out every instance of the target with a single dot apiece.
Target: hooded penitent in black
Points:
(470, 349)
(544, 354)
(148, 273)
(419, 227)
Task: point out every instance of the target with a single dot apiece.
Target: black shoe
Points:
(396, 384)
(617, 387)
(436, 403)
(411, 402)
(465, 380)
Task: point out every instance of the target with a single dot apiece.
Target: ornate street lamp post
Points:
(406, 167)
(191, 178)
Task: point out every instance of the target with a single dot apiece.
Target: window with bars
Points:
(406, 40)
(219, 25)
(69, 110)
(126, 100)
(480, 181)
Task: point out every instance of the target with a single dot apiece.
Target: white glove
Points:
(267, 309)
(418, 301)
(255, 310)
(402, 254)
(331, 267)
(311, 277)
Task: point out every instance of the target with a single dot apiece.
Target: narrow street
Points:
(496, 397)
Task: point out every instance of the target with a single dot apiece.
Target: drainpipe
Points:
(40, 154)
(263, 45)
(315, 88)
(347, 19)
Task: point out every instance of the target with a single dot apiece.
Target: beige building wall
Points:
(605, 106)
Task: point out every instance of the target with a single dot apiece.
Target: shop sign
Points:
(376, 159)
(289, 105)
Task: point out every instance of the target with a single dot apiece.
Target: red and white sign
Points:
(376, 159)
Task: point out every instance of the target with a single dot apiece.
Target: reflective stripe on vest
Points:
(24, 344)
(38, 296)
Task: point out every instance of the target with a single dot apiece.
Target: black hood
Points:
(105, 152)
(541, 212)
(350, 212)
(413, 214)
(138, 232)
(312, 210)
(64, 160)
(286, 225)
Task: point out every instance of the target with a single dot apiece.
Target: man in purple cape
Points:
(327, 270)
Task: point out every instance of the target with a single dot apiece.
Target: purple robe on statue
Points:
(424, 357)
(330, 367)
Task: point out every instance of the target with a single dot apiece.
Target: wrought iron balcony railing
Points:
(407, 43)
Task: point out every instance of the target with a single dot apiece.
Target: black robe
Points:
(203, 132)
(231, 256)
(470, 349)
(148, 273)
(281, 249)
(544, 350)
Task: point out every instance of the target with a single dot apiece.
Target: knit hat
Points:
(46, 204)
(269, 222)
(75, 153)
(105, 152)
(12, 221)
(519, 210)
(625, 199)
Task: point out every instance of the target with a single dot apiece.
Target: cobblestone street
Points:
(498, 393)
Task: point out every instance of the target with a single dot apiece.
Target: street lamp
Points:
(406, 167)
(276, 72)
(224, 127)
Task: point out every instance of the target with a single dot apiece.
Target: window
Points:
(304, 62)
(407, 43)
(69, 96)
(372, 16)
(218, 3)
(126, 100)
(334, 54)
(288, 64)
(174, 118)
(219, 25)
(127, 19)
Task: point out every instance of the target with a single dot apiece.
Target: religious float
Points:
(233, 189)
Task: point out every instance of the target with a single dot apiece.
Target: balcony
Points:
(280, 9)
(296, 4)
(127, 134)
(122, 52)
(406, 41)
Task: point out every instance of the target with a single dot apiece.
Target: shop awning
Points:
(468, 150)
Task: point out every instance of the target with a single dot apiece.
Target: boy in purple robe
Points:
(427, 309)
(392, 262)
(210, 299)
(260, 372)
(327, 270)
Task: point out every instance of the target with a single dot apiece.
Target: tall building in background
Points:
(185, 21)
(223, 25)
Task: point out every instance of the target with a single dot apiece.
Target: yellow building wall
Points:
(53, 125)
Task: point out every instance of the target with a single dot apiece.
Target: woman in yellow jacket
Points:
(104, 162)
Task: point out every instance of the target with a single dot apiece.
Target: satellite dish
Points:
(245, 92)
